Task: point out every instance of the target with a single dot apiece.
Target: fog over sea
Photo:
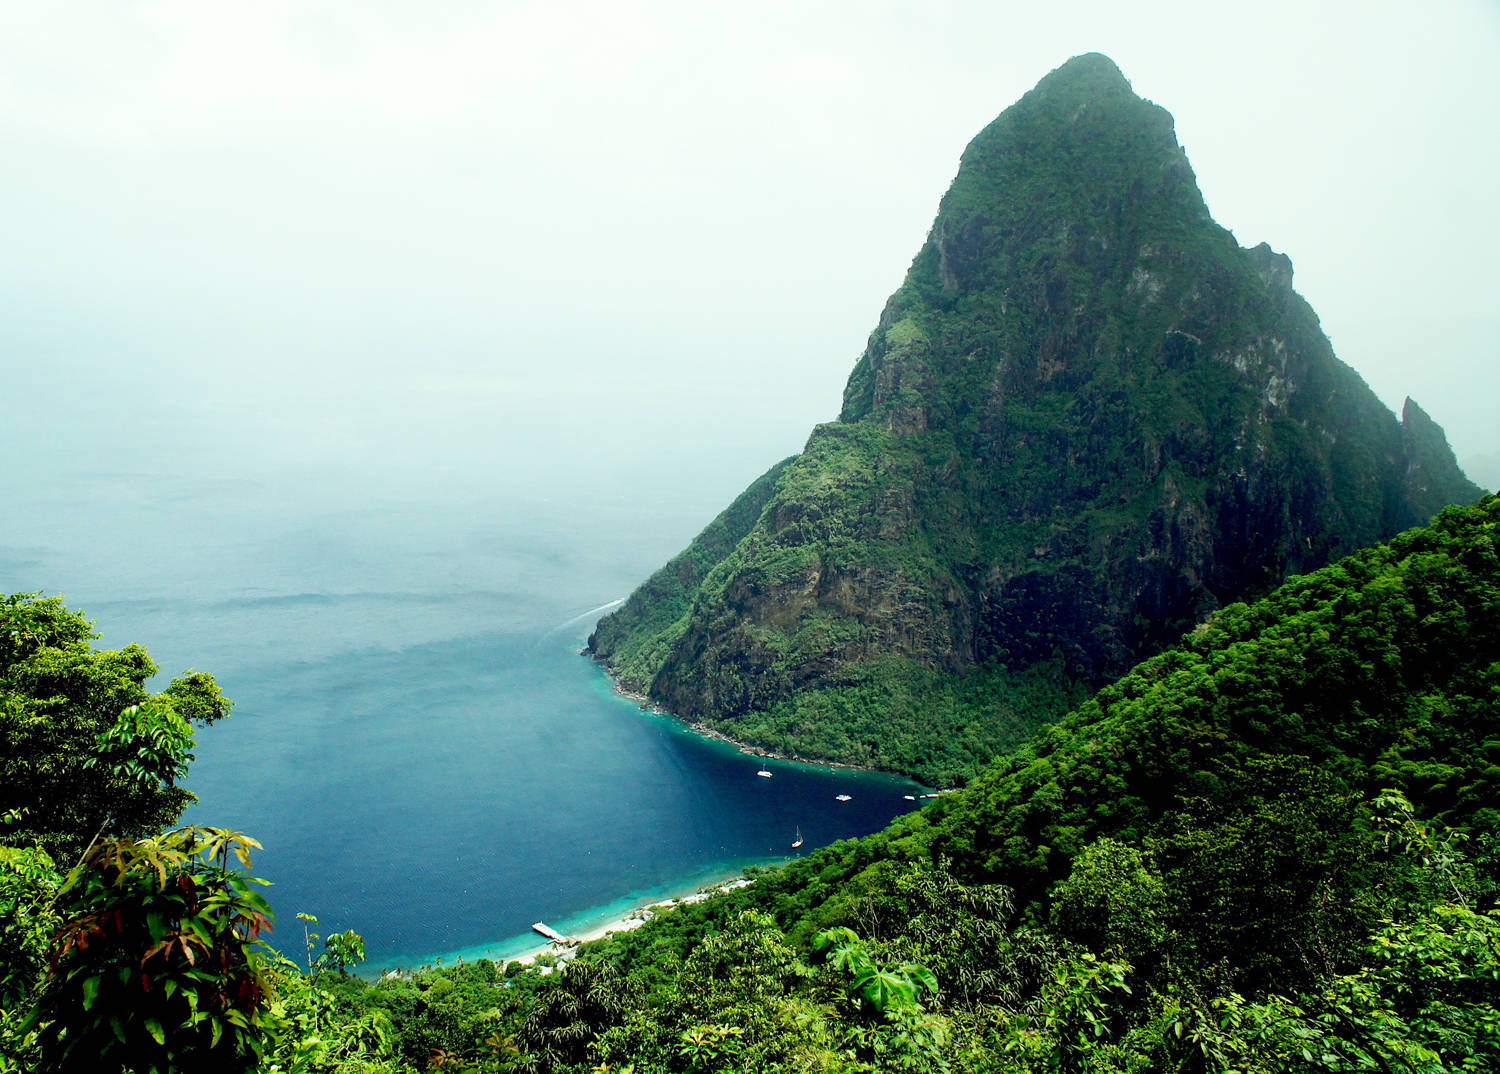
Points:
(394, 592)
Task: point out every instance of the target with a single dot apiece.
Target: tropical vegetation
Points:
(1092, 443)
(1274, 847)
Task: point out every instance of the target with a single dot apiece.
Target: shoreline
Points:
(628, 922)
(747, 748)
(527, 948)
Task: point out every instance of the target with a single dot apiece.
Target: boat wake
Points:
(588, 615)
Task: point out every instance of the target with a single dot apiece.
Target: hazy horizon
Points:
(354, 229)
(579, 252)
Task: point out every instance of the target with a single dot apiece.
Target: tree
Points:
(1428, 1000)
(158, 964)
(1111, 901)
(585, 999)
(28, 920)
(85, 749)
(897, 1033)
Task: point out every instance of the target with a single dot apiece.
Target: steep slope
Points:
(1087, 419)
(638, 640)
(1378, 671)
(1432, 473)
(1218, 824)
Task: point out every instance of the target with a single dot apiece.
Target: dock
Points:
(549, 932)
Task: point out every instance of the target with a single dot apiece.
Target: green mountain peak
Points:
(1086, 419)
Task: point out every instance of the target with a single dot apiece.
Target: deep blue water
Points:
(450, 794)
(416, 741)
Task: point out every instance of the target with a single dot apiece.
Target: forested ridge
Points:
(1271, 848)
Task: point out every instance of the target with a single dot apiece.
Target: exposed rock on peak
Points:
(1433, 478)
(1275, 269)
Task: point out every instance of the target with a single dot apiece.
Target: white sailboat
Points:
(798, 843)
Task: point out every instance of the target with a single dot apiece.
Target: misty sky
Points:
(645, 242)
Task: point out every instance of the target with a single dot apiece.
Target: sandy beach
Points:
(527, 954)
(632, 919)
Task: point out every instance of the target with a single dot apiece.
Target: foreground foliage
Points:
(158, 963)
(85, 749)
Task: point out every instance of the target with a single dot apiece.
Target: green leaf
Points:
(835, 937)
(884, 989)
(920, 976)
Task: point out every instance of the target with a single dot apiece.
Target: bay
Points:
(416, 740)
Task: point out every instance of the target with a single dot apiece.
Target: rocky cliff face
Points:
(1087, 419)
(1432, 473)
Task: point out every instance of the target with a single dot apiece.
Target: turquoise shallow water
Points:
(595, 917)
(416, 740)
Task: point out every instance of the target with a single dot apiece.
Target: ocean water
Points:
(416, 739)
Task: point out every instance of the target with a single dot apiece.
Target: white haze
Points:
(621, 252)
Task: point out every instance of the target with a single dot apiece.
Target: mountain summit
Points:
(1086, 420)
